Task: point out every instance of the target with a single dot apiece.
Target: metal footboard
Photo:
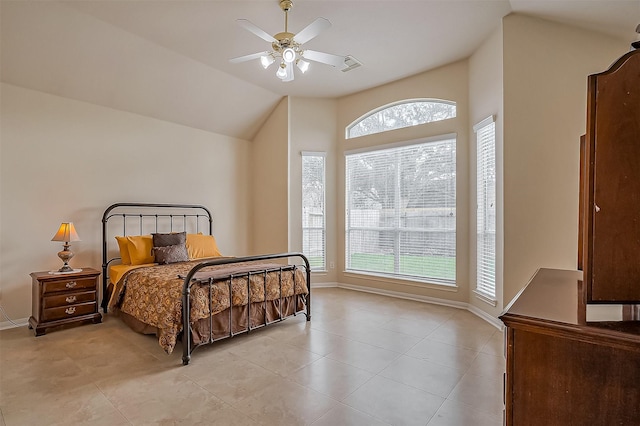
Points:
(187, 345)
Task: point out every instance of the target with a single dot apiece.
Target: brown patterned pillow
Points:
(171, 254)
(172, 239)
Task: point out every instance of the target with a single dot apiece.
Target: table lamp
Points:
(66, 233)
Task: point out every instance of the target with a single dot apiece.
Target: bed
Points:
(163, 274)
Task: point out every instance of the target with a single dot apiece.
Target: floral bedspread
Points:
(153, 294)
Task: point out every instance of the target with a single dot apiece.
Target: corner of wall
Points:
(486, 99)
(270, 181)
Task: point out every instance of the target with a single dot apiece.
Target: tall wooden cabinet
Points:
(562, 370)
(611, 233)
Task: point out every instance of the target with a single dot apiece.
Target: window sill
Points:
(486, 299)
(404, 281)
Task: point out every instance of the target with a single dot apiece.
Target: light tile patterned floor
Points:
(364, 359)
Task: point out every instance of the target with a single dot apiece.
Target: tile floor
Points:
(364, 359)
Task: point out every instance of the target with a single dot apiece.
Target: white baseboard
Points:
(485, 316)
(426, 299)
(4, 325)
(400, 295)
(324, 285)
(408, 296)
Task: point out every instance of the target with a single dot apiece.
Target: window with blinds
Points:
(486, 209)
(401, 211)
(313, 209)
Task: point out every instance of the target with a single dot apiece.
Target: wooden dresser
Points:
(562, 370)
(64, 299)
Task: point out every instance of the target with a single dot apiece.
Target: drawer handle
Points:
(71, 299)
(71, 284)
(70, 310)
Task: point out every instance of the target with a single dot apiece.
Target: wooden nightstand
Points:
(60, 299)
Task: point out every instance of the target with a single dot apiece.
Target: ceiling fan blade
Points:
(290, 75)
(325, 58)
(249, 26)
(312, 30)
(248, 57)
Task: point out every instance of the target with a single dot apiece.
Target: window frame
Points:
(485, 284)
(392, 105)
(422, 280)
(323, 228)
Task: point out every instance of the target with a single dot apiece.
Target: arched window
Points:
(406, 113)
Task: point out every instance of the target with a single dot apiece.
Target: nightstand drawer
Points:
(69, 299)
(52, 314)
(69, 284)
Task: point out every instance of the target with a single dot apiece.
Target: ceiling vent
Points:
(350, 63)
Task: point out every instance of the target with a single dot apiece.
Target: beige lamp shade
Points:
(66, 233)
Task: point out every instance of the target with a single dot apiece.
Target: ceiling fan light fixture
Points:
(282, 71)
(302, 65)
(266, 61)
(287, 48)
(289, 55)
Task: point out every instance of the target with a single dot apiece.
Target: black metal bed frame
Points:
(200, 211)
(187, 346)
(140, 211)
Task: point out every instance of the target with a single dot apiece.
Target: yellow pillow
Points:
(141, 249)
(123, 245)
(200, 246)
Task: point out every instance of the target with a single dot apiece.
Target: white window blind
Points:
(486, 209)
(401, 211)
(313, 210)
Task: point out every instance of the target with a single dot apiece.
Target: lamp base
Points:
(73, 271)
(65, 268)
(65, 255)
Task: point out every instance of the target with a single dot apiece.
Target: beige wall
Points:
(57, 48)
(270, 184)
(296, 125)
(313, 128)
(66, 160)
(531, 74)
(545, 81)
(449, 82)
(485, 99)
(106, 155)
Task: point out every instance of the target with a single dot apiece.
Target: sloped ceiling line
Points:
(169, 59)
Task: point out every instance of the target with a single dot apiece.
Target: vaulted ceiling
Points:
(170, 59)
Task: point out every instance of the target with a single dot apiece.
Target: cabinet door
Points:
(563, 380)
(612, 248)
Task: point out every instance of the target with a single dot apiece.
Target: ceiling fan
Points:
(287, 47)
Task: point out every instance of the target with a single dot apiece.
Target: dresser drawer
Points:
(68, 299)
(68, 284)
(71, 311)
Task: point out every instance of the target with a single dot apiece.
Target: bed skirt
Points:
(291, 305)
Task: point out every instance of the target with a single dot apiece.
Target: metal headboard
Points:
(150, 217)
